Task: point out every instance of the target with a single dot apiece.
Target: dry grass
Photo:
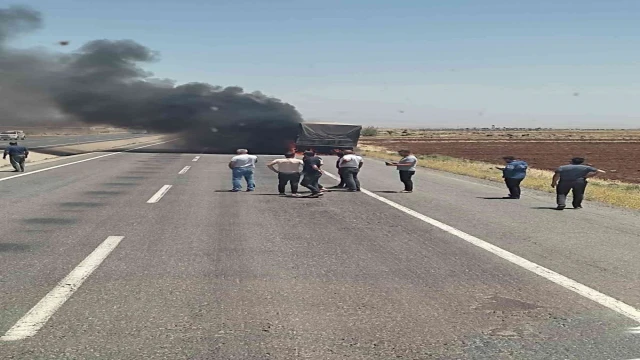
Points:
(609, 192)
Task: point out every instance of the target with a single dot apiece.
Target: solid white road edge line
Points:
(583, 290)
(162, 192)
(35, 319)
(196, 158)
(184, 171)
(80, 161)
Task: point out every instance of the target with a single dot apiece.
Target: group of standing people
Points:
(292, 171)
(567, 178)
(307, 171)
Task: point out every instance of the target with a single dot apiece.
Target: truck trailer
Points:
(327, 137)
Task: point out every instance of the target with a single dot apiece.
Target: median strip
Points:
(81, 161)
(83, 142)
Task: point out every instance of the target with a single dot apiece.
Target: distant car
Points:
(13, 135)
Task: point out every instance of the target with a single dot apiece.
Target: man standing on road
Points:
(17, 155)
(572, 178)
(288, 172)
(407, 168)
(312, 172)
(350, 165)
(513, 173)
(342, 183)
(242, 166)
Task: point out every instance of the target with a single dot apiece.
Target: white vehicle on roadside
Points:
(13, 135)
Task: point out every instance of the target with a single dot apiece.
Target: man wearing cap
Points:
(17, 155)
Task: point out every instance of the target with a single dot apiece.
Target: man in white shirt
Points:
(350, 165)
(242, 166)
(288, 170)
(406, 168)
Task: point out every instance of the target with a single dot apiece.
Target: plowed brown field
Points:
(619, 159)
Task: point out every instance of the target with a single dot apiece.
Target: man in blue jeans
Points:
(242, 166)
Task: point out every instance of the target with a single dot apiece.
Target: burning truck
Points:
(327, 138)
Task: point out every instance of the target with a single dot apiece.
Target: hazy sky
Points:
(385, 62)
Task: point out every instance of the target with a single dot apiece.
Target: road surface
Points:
(52, 141)
(192, 271)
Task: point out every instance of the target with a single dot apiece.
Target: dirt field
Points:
(617, 157)
(510, 135)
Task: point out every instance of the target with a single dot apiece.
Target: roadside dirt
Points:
(619, 159)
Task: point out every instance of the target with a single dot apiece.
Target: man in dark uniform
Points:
(513, 173)
(17, 155)
(312, 172)
(572, 178)
(342, 184)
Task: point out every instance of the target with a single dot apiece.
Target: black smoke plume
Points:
(103, 83)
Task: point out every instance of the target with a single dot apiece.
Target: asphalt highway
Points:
(145, 255)
(52, 141)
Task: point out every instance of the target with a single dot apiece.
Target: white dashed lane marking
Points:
(35, 319)
(158, 195)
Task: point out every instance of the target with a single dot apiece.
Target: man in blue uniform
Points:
(17, 155)
(513, 173)
(342, 184)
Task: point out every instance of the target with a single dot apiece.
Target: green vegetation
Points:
(370, 131)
